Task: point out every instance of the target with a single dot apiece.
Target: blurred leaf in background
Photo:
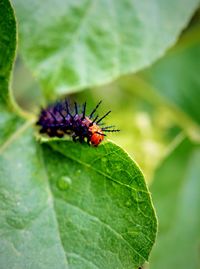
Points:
(176, 76)
(70, 45)
(26, 89)
(176, 195)
(176, 184)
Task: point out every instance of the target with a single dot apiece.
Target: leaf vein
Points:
(97, 219)
(79, 256)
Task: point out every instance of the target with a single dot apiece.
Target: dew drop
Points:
(64, 183)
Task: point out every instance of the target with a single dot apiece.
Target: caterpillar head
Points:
(97, 135)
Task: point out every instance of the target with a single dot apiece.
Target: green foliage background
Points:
(59, 209)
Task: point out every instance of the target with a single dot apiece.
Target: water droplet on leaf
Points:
(64, 183)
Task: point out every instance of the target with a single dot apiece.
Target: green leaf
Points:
(7, 48)
(176, 195)
(62, 204)
(30, 236)
(74, 44)
(104, 211)
(176, 76)
(83, 207)
(8, 120)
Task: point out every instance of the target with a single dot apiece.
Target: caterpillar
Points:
(59, 119)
